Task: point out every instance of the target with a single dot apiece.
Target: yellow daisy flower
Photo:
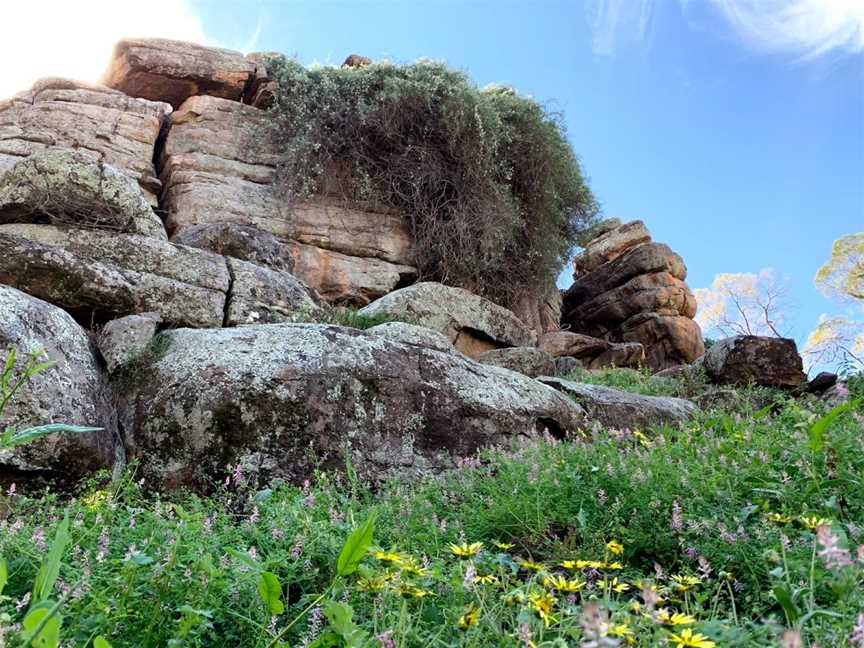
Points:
(684, 583)
(410, 591)
(779, 518)
(503, 546)
(530, 565)
(486, 579)
(813, 522)
(616, 586)
(678, 618)
(561, 584)
(542, 605)
(388, 556)
(614, 547)
(466, 550)
(690, 639)
(470, 617)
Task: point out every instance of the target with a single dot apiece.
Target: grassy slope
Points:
(727, 500)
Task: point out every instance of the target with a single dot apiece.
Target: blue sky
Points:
(740, 150)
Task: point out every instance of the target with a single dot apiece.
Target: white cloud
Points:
(804, 28)
(41, 38)
(800, 28)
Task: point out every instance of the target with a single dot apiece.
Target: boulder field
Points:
(149, 256)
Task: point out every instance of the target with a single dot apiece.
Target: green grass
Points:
(727, 500)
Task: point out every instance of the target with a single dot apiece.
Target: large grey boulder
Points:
(623, 410)
(106, 275)
(71, 391)
(281, 398)
(75, 187)
(592, 352)
(752, 359)
(413, 334)
(529, 361)
(110, 274)
(472, 323)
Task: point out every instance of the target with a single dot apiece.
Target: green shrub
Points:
(494, 193)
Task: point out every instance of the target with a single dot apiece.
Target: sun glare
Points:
(74, 39)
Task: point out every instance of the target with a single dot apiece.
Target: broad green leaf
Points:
(50, 568)
(245, 558)
(31, 434)
(785, 600)
(101, 642)
(355, 547)
(818, 429)
(4, 574)
(271, 592)
(339, 616)
(49, 634)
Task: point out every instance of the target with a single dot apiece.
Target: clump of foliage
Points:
(494, 193)
(738, 529)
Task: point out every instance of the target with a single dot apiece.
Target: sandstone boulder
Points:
(629, 289)
(623, 410)
(101, 275)
(62, 114)
(412, 334)
(218, 166)
(271, 396)
(173, 71)
(71, 391)
(609, 245)
(540, 312)
(75, 187)
(529, 361)
(123, 340)
(594, 353)
(472, 323)
(751, 359)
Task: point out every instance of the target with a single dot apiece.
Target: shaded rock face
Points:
(71, 391)
(173, 71)
(265, 396)
(100, 276)
(622, 410)
(540, 312)
(525, 360)
(412, 334)
(123, 340)
(218, 165)
(75, 187)
(630, 289)
(62, 114)
(592, 352)
(471, 323)
(104, 275)
(751, 359)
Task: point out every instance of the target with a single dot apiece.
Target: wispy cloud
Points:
(803, 29)
(618, 22)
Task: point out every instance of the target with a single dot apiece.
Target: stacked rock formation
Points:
(147, 253)
(628, 288)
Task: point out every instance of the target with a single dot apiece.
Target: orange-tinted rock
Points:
(609, 245)
(172, 71)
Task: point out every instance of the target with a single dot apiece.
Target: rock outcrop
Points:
(622, 410)
(412, 334)
(269, 396)
(75, 187)
(592, 352)
(218, 166)
(62, 114)
(751, 359)
(172, 71)
(528, 361)
(123, 340)
(471, 323)
(71, 391)
(100, 275)
(629, 289)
